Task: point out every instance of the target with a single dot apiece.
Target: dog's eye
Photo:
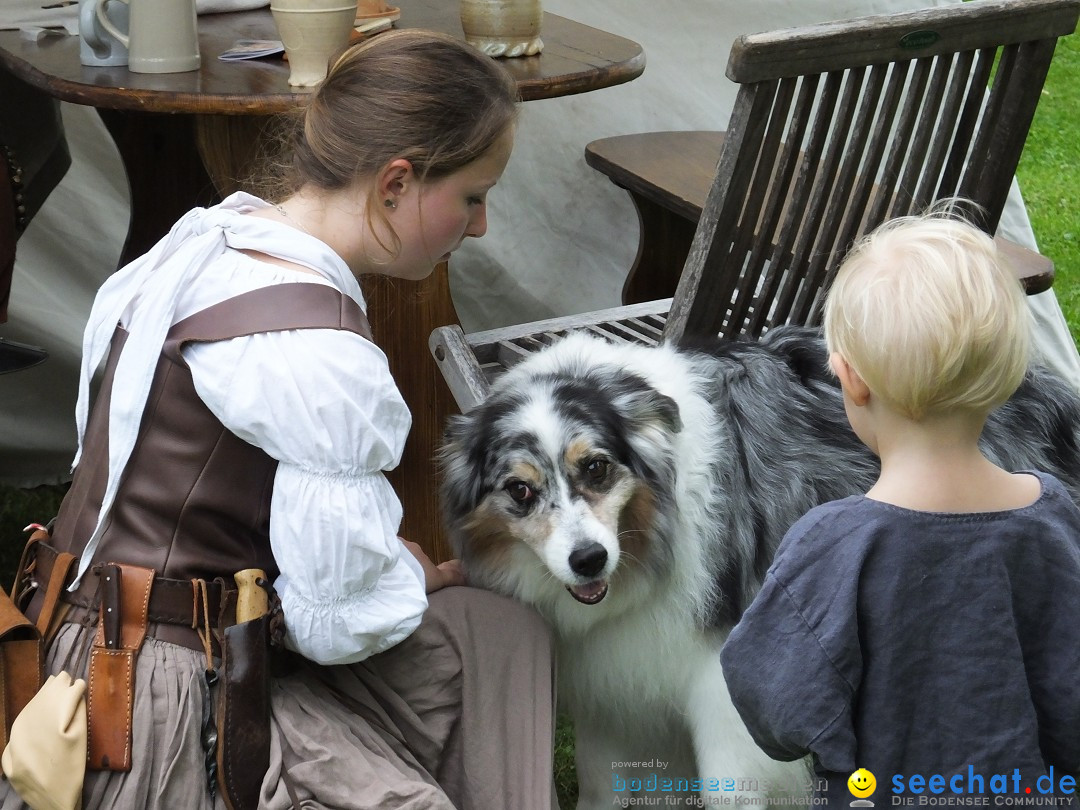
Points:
(597, 469)
(520, 492)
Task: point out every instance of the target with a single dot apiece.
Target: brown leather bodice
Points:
(194, 499)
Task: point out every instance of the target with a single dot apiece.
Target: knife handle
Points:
(110, 605)
(251, 599)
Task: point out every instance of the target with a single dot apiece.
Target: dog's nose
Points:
(588, 561)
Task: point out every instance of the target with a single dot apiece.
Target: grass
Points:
(1049, 175)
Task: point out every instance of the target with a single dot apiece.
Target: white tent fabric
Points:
(561, 236)
(69, 249)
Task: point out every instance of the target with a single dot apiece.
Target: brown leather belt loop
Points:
(125, 590)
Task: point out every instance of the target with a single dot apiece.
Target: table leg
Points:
(662, 250)
(235, 150)
(165, 173)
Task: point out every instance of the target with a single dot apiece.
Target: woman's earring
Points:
(389, 203)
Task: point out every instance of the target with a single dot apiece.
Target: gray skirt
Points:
(457, 715)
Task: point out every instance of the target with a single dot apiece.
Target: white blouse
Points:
(323, 404)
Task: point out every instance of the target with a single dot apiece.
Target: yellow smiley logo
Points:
(861, 783)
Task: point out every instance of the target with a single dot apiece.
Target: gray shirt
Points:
(919, 644)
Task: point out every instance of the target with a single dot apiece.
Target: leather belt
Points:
(172, 601)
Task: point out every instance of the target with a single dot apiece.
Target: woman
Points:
(244, 422)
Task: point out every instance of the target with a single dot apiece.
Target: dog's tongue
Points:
(590, 593)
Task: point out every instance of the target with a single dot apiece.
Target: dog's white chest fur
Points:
(649, 704)
(644, 655)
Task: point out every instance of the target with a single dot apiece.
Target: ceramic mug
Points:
(162, 35)
(503, 27)
(311, 32)
(97, 46)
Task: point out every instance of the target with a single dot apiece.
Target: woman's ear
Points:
(394, 180)
(853, 385)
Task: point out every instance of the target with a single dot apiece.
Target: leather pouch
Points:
(46, 759)
(21, 663)
(244, 713)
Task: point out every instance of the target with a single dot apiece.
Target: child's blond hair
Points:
(930, 315)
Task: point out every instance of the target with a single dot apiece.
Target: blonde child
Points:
(925, 631)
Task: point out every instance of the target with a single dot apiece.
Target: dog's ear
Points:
(469, 453)
(460, 462)
(644, 406)
(803, 350)
(651, 421)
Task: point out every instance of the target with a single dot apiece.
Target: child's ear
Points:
(850, 381)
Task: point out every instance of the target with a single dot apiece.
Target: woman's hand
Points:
(438, 576)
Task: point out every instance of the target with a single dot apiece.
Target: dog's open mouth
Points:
(590, 593)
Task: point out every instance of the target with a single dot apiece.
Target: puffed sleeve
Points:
(323, 403)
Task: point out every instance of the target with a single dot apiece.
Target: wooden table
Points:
(189, 139)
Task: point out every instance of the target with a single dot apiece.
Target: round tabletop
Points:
(576, 59)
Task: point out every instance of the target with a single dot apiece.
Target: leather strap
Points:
(308, 306)
(48, 618)
(111, 684)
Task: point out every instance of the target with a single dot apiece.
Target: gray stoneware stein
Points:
(97, 47)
